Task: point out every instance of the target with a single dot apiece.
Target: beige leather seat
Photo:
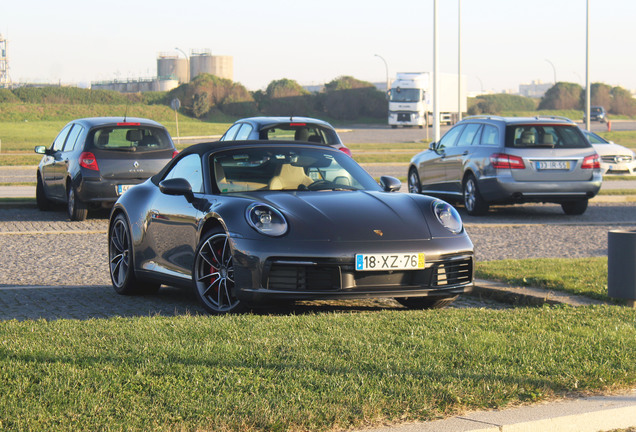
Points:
(527, 138)
(289, 177)
(548, 139)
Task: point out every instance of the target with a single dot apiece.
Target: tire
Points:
(426, 302)
(414, 181)
(473, 201)
(574, 208)
(393, 126)
(213, 275)
(43, 202)
(120, 254)
(77, 210)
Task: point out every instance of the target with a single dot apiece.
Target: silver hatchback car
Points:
(486, 160)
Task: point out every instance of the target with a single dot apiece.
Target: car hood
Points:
(612, 149)
(351, 215)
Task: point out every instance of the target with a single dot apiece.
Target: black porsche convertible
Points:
(247, 223)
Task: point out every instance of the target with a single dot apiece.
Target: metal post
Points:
(187, 62)
(587, 66)
(436, 131)
(553, 70)
(386, 68)
(459, 60)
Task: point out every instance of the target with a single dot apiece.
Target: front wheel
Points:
(574, 208)
(120, 253)
(213, 275)
(426, 302)
(77, 210)
(473, 201)
(414, 182)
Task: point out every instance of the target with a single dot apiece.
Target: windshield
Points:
(595, 139)
(549, 135)
(288, 168)
(130, 138)
(405, 95)
(300, 132)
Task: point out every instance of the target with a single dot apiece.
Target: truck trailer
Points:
(411, 99)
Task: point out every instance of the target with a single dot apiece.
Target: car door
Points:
(432, 169)
(53, 167)
(63, 165)
(173, 221)
(456, 156)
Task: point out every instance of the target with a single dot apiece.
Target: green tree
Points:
(562, 96)
(283, 88)
(600, 95)
(622, 102)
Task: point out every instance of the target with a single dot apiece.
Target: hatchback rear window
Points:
(300, 132)
(545, 136)
(130, 138)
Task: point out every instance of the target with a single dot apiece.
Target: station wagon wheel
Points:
(214, 274)
(473, 201)
(77, 210)
(414, 182)
(574, 208)
(120, 252)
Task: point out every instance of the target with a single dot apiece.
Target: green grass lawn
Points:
(584, 276)
(304, 372)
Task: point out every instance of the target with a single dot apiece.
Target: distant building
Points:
(536, 89)
(173, 70)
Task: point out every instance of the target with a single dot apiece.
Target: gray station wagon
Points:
(486, 160)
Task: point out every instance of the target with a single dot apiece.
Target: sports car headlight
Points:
(447, 216)
(266, 220)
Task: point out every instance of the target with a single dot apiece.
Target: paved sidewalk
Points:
(589, 414)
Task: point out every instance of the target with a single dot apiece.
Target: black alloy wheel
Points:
(213, 274)
(426, 302)
(120, 252)
(473, 201)
(77, 210)
(414, 182)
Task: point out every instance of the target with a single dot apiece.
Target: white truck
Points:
(411, 99)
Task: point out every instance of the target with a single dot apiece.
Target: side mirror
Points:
(390, 184)
(176, 186)
(431, 146)
(41, 150)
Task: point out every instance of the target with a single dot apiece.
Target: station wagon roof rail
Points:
(484, 116)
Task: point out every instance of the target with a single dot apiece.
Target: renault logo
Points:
(136, 164)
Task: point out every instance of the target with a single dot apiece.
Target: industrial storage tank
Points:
(204, 62)
(172, 67)
(223, 66)
(201, 62)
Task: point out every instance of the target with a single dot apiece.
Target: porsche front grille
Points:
(303, 278)
(457, 272)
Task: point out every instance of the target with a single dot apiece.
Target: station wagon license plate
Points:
(385, 262)
(553, 165)
(123, 188)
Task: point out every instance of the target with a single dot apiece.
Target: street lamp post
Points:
(587, 66)
(553, 70)
(187, 63)
(386, 68)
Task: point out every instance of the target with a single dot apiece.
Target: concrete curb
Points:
(530, 296)
(588, 414)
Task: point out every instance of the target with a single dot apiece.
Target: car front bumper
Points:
(326, 270)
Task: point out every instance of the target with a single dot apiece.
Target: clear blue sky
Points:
(504, 42)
